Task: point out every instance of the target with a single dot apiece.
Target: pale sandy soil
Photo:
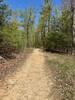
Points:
(30, 82)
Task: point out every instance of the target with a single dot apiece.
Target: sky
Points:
(22, 4)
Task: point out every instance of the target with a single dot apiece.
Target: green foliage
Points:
(59, 37)
(65, 21)
(4, 13)
(56, 41)
(28, 24)
(54, 30)
(11, 38)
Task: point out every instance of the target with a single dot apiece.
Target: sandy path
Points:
(30, 82)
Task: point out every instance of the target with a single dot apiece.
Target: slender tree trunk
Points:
(73, 26)
(49, 23)
(74, 31)
(27, 36)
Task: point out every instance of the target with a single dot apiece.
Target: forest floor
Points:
(62, 67)
(42, 76)
(30, 82)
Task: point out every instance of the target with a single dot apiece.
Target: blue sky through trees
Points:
(22, 4)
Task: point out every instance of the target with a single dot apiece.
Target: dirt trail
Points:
(30, 82)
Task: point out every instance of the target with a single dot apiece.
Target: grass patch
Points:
(64, 68)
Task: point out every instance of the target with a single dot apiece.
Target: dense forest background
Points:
(54, 31)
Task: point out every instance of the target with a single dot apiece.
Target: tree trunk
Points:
(27, 35)
(74, 31)
(73, 26)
